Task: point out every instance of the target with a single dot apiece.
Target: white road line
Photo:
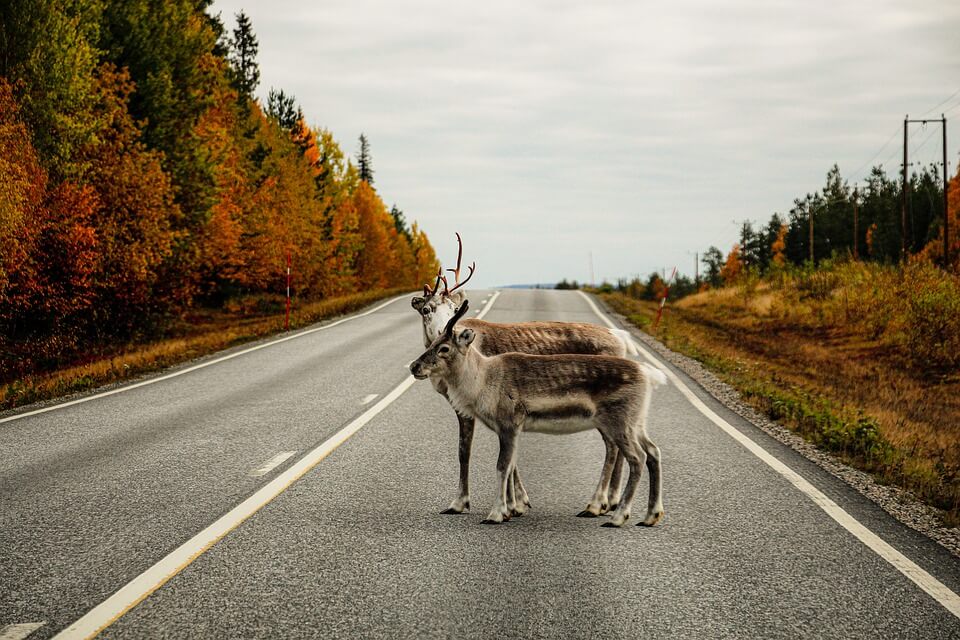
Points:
(487, 308)
(131, 594)
(135, 591)
(934, 588)
(272, 464)
(19, 631)
(369, 398)
(198, 366)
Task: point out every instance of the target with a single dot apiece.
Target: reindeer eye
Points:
(444, 349)
(425, 311)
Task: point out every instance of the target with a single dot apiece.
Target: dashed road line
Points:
(272, 464)
(138, 589)
(19, 631)
(369, 398)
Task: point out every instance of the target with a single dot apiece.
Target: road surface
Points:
(294, 490)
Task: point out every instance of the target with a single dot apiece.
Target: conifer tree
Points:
(366, 168)
(243, 57)
(281, 107)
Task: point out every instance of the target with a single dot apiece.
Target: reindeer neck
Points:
(468, 376)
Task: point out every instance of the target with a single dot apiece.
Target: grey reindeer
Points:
(437, 307)
(557, 394)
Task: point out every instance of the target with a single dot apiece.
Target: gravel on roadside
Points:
(901, 504)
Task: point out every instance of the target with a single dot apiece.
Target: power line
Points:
(893, 135)
(952, 96)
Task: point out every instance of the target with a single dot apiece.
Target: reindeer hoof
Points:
(516, 512)
(489, 521)
(611, 525)
(586, 514)
(651, 520)
(451, 511)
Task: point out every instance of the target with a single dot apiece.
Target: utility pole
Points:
(810, 212)
(696, 269)
(903, 193)
(946, 206)
(856, 229)
(906, 185)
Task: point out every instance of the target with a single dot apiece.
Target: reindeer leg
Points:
(655, 502)
(462, 502)
(511, 494)
(599, 503)
(505, 462)
(636, 458)
(616, 482)
(522, 499)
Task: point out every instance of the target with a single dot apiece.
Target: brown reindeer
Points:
(557, 394)
(437, 306)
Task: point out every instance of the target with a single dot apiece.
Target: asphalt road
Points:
(95, 494)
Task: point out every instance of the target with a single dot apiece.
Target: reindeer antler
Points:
(456, 272)
(428, 292)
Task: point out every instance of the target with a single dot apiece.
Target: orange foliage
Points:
(49, 258)
(779, 246)
(134, 204)
(934, 249)
(733, 266)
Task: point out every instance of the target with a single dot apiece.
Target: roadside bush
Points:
(930, 327)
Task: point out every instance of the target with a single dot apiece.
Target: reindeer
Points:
(557, 394)
(437, 307)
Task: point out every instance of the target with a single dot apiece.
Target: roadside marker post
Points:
(286, 322)
(663, 300)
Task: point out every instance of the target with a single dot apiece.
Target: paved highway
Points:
(294, 490)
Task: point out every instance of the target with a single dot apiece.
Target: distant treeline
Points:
(785, 239)
(784, 242)
(141, 177)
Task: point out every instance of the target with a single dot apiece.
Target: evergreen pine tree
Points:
(366, 168)
(281, 108)
(243, 57)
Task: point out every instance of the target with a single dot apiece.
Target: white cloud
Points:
(637, 131)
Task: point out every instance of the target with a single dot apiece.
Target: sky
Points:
(623, 135)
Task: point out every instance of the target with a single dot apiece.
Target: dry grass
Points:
(203, 333)
(814, 361)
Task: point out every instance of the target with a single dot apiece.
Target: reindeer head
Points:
(436, 307)
(449, 347)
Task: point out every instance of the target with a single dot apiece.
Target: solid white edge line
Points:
(198, 366)
(135, 591)
(933, 587)
(369, 398)
(19, 631)
(131, 594)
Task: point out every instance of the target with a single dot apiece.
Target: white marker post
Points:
(286, 322)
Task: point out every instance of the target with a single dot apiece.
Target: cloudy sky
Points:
(637, 132)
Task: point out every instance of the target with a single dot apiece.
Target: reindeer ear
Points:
(465, 338)
(418, 302)
(457, 297)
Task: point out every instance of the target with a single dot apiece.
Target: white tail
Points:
(655, 375)
(624, 336)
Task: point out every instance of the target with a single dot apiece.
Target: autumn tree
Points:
(733, 265)
(778, 247)
(48, 52)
